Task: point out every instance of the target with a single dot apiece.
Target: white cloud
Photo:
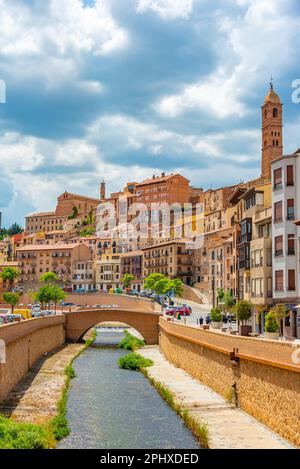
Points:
(167, 9)
(261, 41)
(51, 41)
(156, 149)
(218, 95)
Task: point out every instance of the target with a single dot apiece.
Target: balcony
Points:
(244, 264)
(279, 253)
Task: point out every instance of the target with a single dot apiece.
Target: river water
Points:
(110, 408)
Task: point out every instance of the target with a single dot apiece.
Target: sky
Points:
(123, 89)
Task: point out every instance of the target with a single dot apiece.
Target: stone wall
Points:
(25, 343)
(258, 374)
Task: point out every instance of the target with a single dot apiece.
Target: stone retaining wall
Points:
(25, 343)
(265, 385)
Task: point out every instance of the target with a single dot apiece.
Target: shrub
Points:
(130, 342)
(216, 315)
(15, 435)
(271, 324)
(243, 310)
(133, 361)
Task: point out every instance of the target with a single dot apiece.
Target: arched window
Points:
(266, 113)
(275, 112)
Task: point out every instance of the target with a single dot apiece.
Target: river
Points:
(110, 408)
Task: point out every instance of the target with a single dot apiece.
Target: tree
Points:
(74, 213)
(89, 231)
(11, 299)
(271, 324)
(49, 293)
(57, 295)
(127, 279)
(162, 287)
(151, 280)
(243, 310)
(176, 286)
(9, 274)
(220, 295)
(216, 315)
(49, 278)
(14, 229)
(280, 312)
(44, 295)
(228, 301)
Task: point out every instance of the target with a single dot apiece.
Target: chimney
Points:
(163, 175)
(102, 190)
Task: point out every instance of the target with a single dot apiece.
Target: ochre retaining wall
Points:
(25, 343)
(266, 380)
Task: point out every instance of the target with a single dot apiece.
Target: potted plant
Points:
(216, 318)
(271, 326)
(243, 310)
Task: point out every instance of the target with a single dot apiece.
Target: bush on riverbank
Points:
(14, 435)
(134, 361)
(130, 342)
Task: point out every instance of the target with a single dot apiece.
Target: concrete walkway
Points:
(229, 428)
(35, 398)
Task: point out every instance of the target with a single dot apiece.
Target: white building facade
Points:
(285, 237)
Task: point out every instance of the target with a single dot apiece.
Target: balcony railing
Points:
(278, 252)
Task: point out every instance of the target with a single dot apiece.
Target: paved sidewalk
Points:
(229, 428)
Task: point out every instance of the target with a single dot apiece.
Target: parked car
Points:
(14, 318)
(188, 307)
(170, 311)
(3, 319)
(66, 303)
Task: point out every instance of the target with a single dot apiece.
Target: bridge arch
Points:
(80, 321)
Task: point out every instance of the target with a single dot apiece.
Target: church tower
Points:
(272, 146)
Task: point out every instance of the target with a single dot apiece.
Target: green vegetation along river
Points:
(112, 408)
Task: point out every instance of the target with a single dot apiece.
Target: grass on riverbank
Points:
(130, 342)
(198, 427)
(19, 435)
(134, 361)
(14, 435)
(59, 424)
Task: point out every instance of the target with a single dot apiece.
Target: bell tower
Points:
(272, 146)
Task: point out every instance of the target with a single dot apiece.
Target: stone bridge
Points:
(141, 314)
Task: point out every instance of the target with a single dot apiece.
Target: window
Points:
(278, 246)
(290, 175)
(291, 280)
(291, 245)
(279, 280)
(278, 178)
(290, 209)
(275, 112)
(278, 212)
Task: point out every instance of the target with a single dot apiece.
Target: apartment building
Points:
(68, 205)
(132, 263)
(172, 258)
(253, 200)
(164, 189)
(63, 259)
(285, 236)
(83, 276)
(108, 271)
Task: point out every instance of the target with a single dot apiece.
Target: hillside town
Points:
(249, 236)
